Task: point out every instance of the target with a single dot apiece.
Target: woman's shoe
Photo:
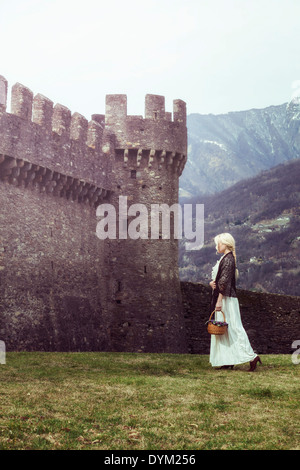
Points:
(227, 367)
(253, 364)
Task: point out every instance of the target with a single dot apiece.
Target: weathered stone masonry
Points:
(63, 289)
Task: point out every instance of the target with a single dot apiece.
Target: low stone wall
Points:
(270, 320)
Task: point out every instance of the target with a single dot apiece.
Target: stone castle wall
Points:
(270, 320)
(63, 288)
(50, 270)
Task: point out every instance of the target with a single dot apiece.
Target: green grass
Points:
(129, 401)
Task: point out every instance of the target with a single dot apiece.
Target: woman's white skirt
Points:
(234, 346)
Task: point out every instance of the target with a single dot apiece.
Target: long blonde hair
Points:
(229, 241)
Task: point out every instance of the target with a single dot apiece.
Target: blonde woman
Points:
(233, 347)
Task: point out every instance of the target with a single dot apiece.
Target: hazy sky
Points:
(217, 55)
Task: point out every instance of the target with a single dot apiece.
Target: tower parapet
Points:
(156, 139)
(144, 311)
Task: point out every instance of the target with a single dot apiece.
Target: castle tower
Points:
(62, 288)
(143, 308)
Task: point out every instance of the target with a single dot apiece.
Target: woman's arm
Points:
(227, 267)
(219, 302)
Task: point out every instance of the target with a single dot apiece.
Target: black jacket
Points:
(225, 280)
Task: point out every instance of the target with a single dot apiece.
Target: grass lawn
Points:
(126, 401)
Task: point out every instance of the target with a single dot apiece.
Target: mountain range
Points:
(224, 149)
(263, 215)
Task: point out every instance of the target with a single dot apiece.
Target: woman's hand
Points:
(213, 284)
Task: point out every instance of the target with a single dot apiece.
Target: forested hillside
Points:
(263, 214)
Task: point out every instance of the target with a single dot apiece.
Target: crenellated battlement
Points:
(52, 137)
(40, 110)
(116, 109)
(49, 136)
(155, 131)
